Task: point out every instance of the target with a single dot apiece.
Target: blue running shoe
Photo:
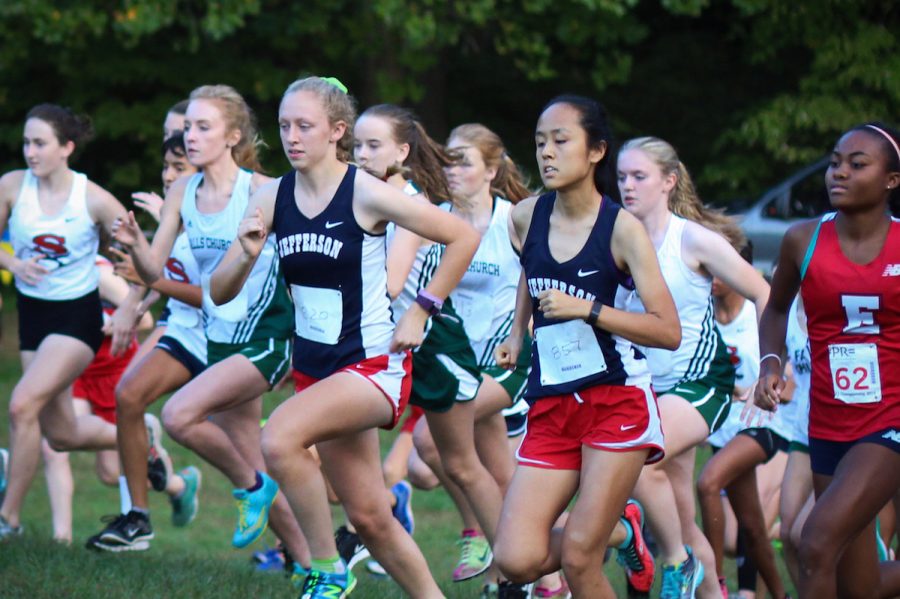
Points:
(4, 466)
(326, 585)
(298, 575)
(269, 560)
(253, 511)
(403, 510)
(681, 581)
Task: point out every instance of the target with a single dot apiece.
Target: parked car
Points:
(799, 197)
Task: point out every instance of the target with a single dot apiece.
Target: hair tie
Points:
(336, 83)
(887, 137)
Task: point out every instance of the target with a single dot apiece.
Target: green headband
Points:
(335, 82)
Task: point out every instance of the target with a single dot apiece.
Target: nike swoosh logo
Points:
(132, 530)
(329, 225)
(587, 273)
(627, 427)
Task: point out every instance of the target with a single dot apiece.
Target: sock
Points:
(334, 565)
(257, 485)
(470, 532)
(142, 511)
(629, 534)
(124, 496)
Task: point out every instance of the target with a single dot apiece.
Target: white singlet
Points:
(67, 240)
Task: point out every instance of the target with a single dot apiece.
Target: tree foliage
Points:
(746, 89)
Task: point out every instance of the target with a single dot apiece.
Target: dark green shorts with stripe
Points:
(444, 367)
(272, 357)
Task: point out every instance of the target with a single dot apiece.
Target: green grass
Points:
(196, 561)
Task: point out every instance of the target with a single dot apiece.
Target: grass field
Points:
(196, 561)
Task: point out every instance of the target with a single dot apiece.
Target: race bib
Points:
(233, 311)
(854, 372)
(318, 313)
(476, 311)
(568, 351)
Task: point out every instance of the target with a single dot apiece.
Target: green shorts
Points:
(272, 357)
(712, 403)
(444, 371)
(798, 446)
(515, 381)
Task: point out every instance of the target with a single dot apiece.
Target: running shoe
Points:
(159, 465)
(883, 554)
(475, 555)
(327, 585)
(350, 547)
(269, 560)
(403, 510)
(723, 587)
(4, 466)
(510, 590)
(562, 592)
(253, 511)
(185, 506)
(489, 591)
(125, 532)
(375, 569)
(681, 581)
(298, 574)
(8, 532)
(635, 558)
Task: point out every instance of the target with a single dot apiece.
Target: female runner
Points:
(694, 382)
(353, 364)
(593, 423)
(844, 265)
(55, 215)
(217, 413)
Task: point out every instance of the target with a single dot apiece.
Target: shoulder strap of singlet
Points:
(28, 188)
(812, 244)
(540, 216)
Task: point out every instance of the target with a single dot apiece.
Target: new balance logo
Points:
(893, 435)
(891, 270)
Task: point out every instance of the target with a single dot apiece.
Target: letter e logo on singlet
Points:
(860, 310)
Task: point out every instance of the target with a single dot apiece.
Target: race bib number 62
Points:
(854, 372)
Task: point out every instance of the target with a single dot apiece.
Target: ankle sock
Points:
(257, 485)
(629, 534)
(334, 565)
(124, 496)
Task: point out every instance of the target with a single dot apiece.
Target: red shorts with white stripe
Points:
(391, 373)
(605, 417)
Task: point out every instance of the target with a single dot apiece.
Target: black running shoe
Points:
(510, 590)
(350, 547)
(125, 532)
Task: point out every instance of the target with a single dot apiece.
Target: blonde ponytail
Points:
(683, 199)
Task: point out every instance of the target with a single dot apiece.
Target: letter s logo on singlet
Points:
(52, 247)
(177, 271)
(860, 311)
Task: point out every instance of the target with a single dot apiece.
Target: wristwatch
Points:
(429, 303)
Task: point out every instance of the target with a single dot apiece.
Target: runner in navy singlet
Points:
(352, 363)
(593, 423)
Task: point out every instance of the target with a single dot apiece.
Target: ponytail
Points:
(427, 158)
(683, 199)
(508, 183)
